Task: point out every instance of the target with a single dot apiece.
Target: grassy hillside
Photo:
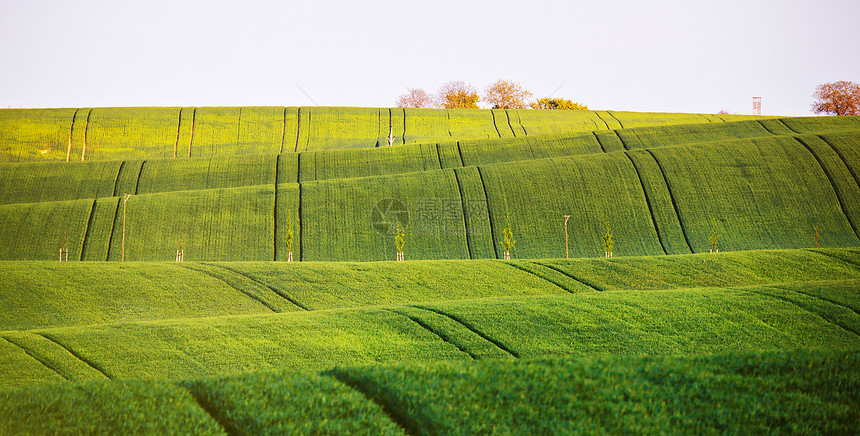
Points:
(663, 337)
(718, 393)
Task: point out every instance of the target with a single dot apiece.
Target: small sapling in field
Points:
(508, 236)
(714, 236)
(608, 243)
(180, 249)
(400, 241)
(289, 238)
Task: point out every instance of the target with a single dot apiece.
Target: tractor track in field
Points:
(672, 198)
(212, 411)
(87, 230)
(833, 186)
(568, 275)
(648, 202)
(400, 419)
(844, 160)
(277, 292)
(535, 274)
(597, 138)
(37, 358)
(76, 354)
(489, 209)
(251, 296)
(468, 326)
(805, 309)
(465, 219)
(441, 335)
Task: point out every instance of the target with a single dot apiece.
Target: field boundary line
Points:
(439, 156)
(495, 126)
(647, 201)
(623, 144)
(212, 411)
(431, 330)
(819, 298)
(87, 230)
(231, 286)
(71, 132)
(766, 128)
(404, 126)
(298, 128)
(283, 131)
(299, 213)
(460, 153)
(239, 127)
(805, 309)
(597, 138)
(281, 294)
(396, 417)
(508, 115)
(193, 123)
(824, 253)
(547, 279)
(465, 220)
(832, 186)
(140, 171)
(583, 281)
(474, 330)
(86, 132)
(178, 129)
(275, 212)
(36, 358)
(116, 179)
(112, 229)
(600, 117)
(520, 120)
(76, 354)
(672, 198)
(781, 120)
(616, 119)
(844, 161)
(489, 210)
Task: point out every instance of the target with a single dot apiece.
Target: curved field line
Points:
(441, 336)
(547, 279)
(87, 231)
(489, 210)
(583, 281)
(76, 354)
(212, 411)
(844, 160)
(465, 220)
(471, 328)
(279, 293)
(401, 420)
(805, 309)
(275, 212)
(253, 297)
(112, 228)
(37, 358)
(71, 131)
(832, 186)
(648, 202)
(597, 138)
(674, 203)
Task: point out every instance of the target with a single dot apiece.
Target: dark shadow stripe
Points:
(832, 186)
(301, 226)
(648, 202)
(281, 294)
(547, 279)
(178, 129)
(495, 126)
(489, 211)
(193, 123)
(465, 219)
(77, 355)
(615, 118)
(598, 141)
(37, 358)
(393, 413)
(441, 335)
(674, 203)
(844, 160)
(140, 171)
(275, 211)
(805, 309)
(251, 296)
(567, 274)
(86, 133)
(113, 228)
(471, 328)
(508, 115)
(87, 231)
(212, 411)
(116, 179)
(818, 297)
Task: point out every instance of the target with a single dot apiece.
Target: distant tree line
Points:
(503, 94)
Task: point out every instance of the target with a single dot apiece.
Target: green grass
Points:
(127, 407)
(739, 393)
(34, 134)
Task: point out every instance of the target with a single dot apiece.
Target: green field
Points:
(663, 337)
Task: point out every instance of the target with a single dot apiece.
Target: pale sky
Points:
(657, 55)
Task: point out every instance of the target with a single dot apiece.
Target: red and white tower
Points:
(756, 105)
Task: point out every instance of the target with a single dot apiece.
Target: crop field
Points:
(669, 273)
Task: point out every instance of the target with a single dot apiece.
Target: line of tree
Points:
(504, 94)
